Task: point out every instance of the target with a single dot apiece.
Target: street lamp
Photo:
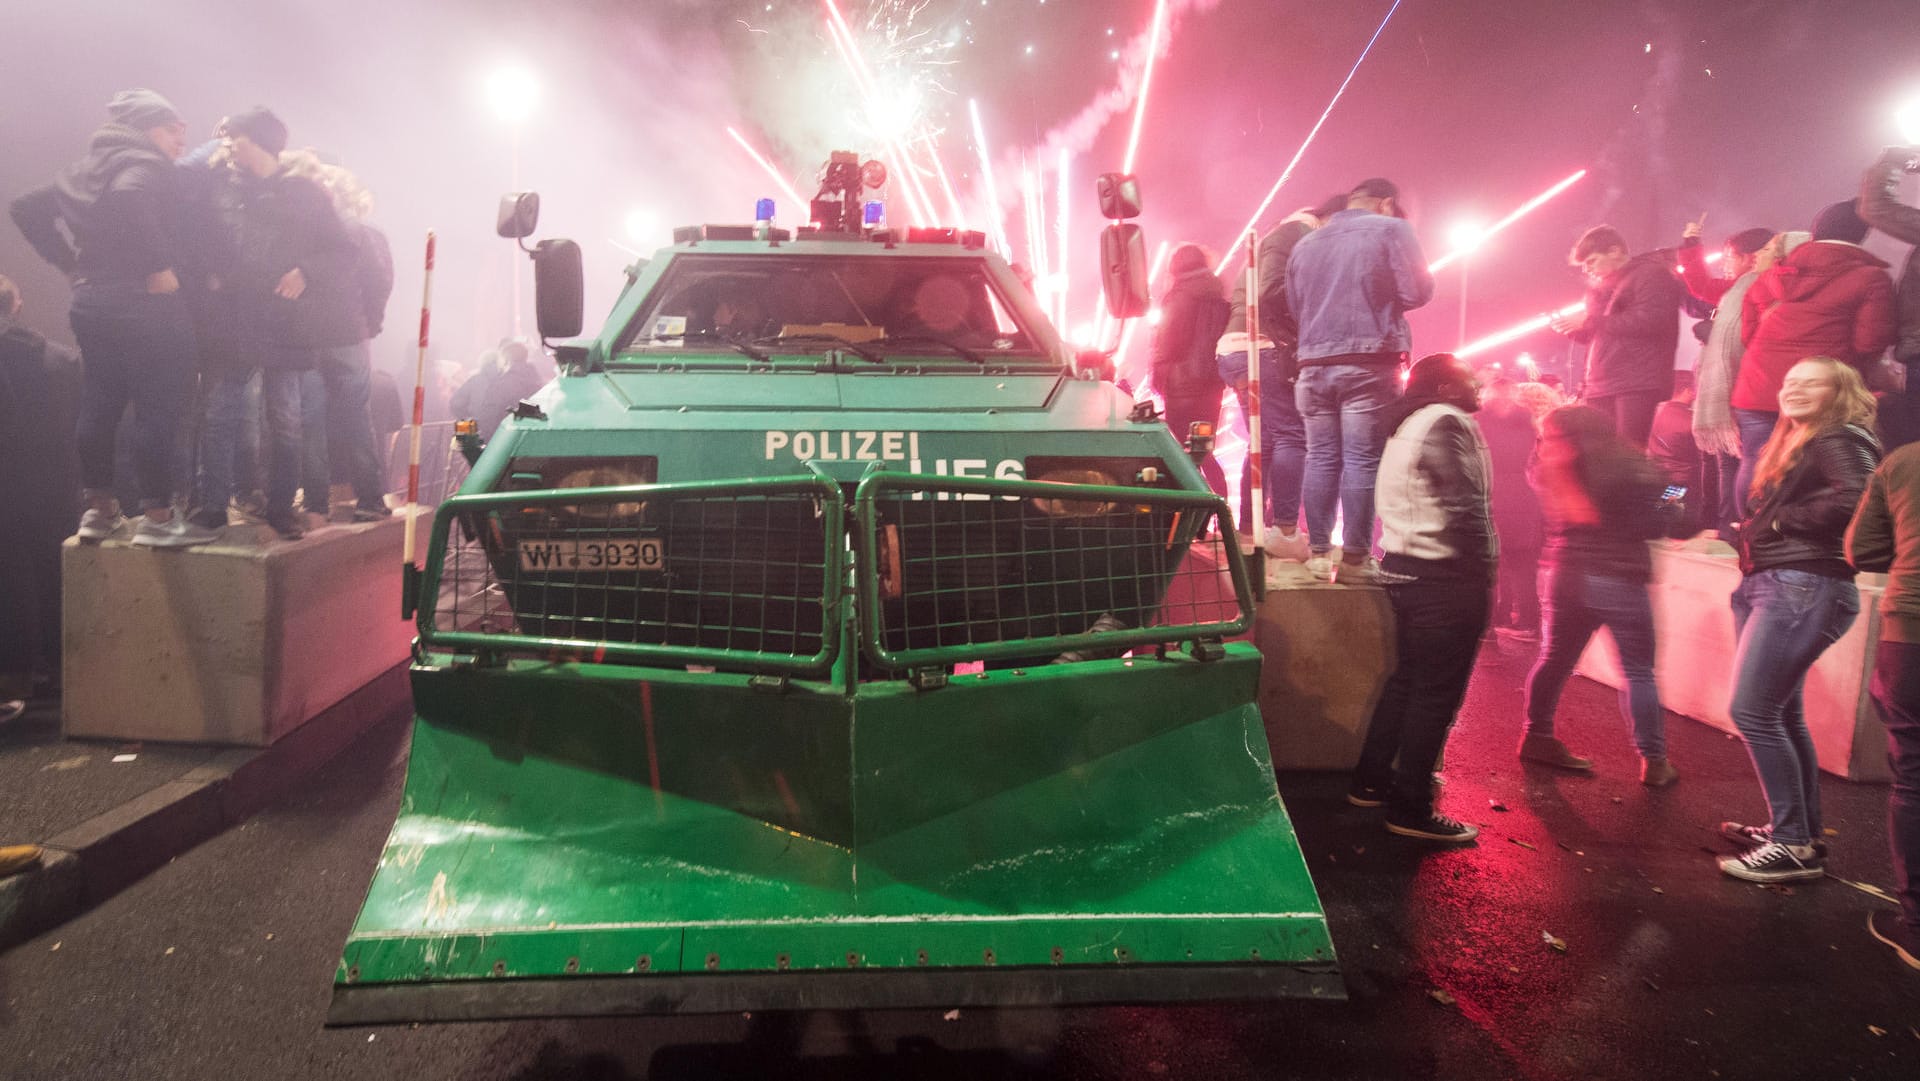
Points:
(513, 93)
(1466, 238)
(1906, 121)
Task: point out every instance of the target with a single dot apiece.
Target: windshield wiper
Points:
(712, 336)
(855, 348)
(931, 339)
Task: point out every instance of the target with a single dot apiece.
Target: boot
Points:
(1549, 751)
(1657, 772)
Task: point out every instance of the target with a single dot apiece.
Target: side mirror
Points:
(519, 214)
(559, 288)
(1119, 196)
(1123, 270)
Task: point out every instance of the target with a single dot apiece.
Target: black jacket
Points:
(1270, 263)
(373, 273)
(120, 205)
(1192, 317)
(1802, 524)
(257, 231)
(1633, 328)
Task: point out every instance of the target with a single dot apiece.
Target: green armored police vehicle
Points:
(829, 635)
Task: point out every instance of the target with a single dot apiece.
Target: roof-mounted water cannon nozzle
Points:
(840, 207)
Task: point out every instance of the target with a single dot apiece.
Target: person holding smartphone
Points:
(1604, 499)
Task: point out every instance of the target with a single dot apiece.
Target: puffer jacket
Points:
(1434, 496)
(1802, 523)
(1880, 206)
(1827, 299)
(1192, 317)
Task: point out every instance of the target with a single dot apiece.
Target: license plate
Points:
(642, 554)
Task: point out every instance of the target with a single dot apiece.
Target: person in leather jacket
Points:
(1796, 598)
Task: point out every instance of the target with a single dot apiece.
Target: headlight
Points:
(1074, 508)
(607, 475)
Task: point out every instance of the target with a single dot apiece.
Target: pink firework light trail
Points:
(996, 223)
(1520, 212)
(785, 187)
(1287, 173)
(1146, 84)
(1061, 235)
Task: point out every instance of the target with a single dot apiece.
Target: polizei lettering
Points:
(882, 446)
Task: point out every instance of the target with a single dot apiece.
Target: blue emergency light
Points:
(763, 210)
(874, 211)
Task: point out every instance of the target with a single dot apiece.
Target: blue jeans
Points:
(1283, 438)
(1755, 428)
(1578, 603)
(280, 421)
(1896, 694)
(1782, 621)
(138, 348)
(1344, 407)
(333, 407)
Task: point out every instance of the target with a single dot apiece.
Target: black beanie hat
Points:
(260, 125)
(1840, 221)
(142, 109)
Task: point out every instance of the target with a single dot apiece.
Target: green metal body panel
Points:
(580, 820)
(604, 825)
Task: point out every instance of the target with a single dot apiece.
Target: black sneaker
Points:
(1754, 836)
(1775, 862)
(365, 513)
(1367, 795)
(1890, 931)
(1434, 827)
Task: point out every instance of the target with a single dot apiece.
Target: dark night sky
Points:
(1472, 105)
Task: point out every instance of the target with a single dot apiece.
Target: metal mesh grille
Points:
(738, 575)
(969, 570)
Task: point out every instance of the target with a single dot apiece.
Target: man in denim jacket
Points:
(1350, 285)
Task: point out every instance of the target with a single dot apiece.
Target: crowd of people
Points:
(1775, 445)
(216, 290)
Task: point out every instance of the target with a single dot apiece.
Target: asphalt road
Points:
(219, 965)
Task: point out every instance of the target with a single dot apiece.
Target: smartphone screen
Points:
(1674, 494)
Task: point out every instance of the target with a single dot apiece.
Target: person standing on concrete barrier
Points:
(1630, 326)
(1880, 207)
(1283, 434)
(335, 425)
(1350, 285)
(1434, 501)
(286, 252)
(121, 207)
(1796, 598)
(1193, 313)
(1604, 500)
(1885, 537)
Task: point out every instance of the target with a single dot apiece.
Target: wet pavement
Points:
(221, 962)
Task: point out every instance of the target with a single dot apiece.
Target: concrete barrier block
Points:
(1326, 650)
(1693, 662)
(236, 642)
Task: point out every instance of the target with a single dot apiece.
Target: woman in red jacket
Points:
(1830, 298)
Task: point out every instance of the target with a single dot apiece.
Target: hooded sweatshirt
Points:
(120, 204)
(1827, 299)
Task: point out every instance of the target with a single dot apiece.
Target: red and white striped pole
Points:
(1257, 494)
(419, 418)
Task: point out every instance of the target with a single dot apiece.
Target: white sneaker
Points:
(1320, 567)
(1294, 548)
(175, 532)
(1358, 573)
(98, 525)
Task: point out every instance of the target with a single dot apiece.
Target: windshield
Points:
(805, 304)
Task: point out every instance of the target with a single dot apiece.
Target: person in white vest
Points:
(1433, 496)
